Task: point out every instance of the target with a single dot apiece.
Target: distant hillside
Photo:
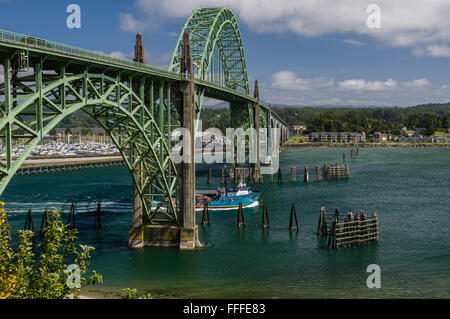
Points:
(369, 119)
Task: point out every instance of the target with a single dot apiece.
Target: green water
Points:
(408, 187)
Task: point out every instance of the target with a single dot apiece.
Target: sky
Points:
(302, 52)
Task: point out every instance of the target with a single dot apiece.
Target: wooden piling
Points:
(98, 217)
(265, 217)
(280, 176)
(205, 216)
(222, 176)
(72, 223)
(306, 174)
(318, 173)
(332, 234)
(261, 177)
(293, 217)
(209, 176)
(45, 221)
(322, 225)
(29, 225)
(375, 226)
(240, 215)
(235, 176)
(293, 174)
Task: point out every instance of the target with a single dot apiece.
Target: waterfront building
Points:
(335, 137)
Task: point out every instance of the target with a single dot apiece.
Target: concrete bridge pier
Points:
(185, 235)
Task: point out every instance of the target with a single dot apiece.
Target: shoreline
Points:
(368, 145)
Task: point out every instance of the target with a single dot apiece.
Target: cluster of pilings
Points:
(336, 171)
(348, 230)
(71, 222)
(253, 174)
(293, 219)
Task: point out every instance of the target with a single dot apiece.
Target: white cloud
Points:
(438, 50)
(288, 88)
(129, 23)
(363, 85)
(354, 42)
(418, 83)
(403, 23)
(290, 81)
(119, 54)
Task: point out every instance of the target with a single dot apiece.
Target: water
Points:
(409, 188)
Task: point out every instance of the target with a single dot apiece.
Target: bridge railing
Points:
(29, 41)
(25, 40)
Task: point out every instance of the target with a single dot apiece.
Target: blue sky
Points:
(304, 52)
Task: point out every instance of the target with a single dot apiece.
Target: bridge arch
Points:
(217, 57)
(35, 104)
(217, 48)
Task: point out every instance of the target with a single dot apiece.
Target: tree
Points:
(22, 276)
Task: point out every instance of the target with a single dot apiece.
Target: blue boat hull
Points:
(231, 202)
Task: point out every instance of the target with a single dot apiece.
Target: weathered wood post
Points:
(325, 170)
(318, 173)
(293, 174)
(209, 176)
(72, 218)
(241, 215)
(98, 217)
(332, 234)
(265, 217)
(322, 225)
(205, 216)
(222, 176)
(306, 174)
(357, 230)
(375, 226)
(293, 217)
(29, 225)
(235, 175)
(280, 176)
(45, 221)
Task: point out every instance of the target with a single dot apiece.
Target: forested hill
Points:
(334, 119)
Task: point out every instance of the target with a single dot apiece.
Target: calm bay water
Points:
(408, 187)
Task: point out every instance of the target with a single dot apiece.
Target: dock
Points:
(40, 166)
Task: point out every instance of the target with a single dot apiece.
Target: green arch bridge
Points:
(137, 105)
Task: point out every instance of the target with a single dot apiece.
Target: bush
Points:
(22, 276)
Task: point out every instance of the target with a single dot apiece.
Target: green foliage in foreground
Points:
(23, 275)
(133, 294)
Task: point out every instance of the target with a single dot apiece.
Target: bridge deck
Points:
(10, 39)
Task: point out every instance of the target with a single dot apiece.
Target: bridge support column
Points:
(189, 232)
(257, 121)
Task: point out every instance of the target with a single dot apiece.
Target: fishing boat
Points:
(224, 199)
